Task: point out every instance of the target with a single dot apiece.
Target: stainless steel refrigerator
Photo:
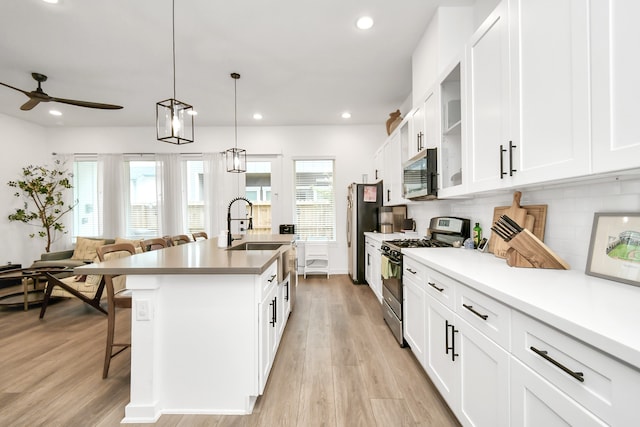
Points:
(363, 201)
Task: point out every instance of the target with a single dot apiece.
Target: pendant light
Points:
(236, 157)
(174, 119)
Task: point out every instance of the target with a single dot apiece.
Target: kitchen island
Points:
(203, 325)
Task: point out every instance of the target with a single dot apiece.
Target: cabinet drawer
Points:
(441, 287)
(269, 278)
(609, 388)
(413, 269)
(489, 316)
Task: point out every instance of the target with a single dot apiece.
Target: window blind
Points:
(315, 200)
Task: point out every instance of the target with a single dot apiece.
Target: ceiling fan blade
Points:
(30, 104)
(15, 88)
(87, 104)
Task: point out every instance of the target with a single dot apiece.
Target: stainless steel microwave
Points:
(420, 176)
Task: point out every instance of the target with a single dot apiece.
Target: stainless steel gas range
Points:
(443, 232)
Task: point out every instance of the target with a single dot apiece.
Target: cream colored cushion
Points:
(86, 248)
(86, 287)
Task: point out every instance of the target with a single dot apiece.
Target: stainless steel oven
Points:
(391, 268)
(443, 232)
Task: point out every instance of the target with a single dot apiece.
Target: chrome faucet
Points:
(229, 219)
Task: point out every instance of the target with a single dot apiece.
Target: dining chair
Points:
(180, 239)
(153, 244)
(87, 288)
(199, 234)
(117, 297)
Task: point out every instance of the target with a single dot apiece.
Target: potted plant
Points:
(44, 205)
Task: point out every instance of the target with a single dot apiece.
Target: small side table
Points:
(27, 276)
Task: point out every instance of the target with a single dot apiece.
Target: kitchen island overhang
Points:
(196, 326)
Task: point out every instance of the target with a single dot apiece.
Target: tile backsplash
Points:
(569, 213)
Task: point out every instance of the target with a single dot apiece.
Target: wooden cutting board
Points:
(536, 224)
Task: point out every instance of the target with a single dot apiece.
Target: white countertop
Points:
(602, 313)
(201, 257)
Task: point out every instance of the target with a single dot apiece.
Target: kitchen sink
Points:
(256, 246)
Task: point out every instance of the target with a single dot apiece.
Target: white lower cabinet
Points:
(372, 267)
(535, 402)
(470, 371)
(268, 333)
(283, 307)
(497, 366)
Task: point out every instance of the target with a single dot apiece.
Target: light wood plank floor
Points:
(337, 365)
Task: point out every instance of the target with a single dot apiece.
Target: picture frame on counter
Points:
(614, 249)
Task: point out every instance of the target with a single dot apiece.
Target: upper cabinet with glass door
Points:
(528, 116)
(452, 151)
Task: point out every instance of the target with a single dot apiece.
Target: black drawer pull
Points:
(577, 375)
(433, 285)
(470, 308)
(411, 271)
(271, 279)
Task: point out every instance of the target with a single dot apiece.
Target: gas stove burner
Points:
(418, 243)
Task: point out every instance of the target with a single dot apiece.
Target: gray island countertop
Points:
(201, 257)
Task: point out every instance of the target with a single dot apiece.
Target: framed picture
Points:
(370, 193)
(614, 251)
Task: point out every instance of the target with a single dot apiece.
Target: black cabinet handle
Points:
(502, 172)
(411, 271)
(376, 173)
(273, 312)
(542, 353)
(271, 279)
(286, 295)
(470, 308)
(433, 285)
(368, 259)
(451, 347)
(511, 169)
(388, 195)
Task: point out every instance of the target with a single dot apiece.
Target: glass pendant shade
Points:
(174, 122)
(236, 160)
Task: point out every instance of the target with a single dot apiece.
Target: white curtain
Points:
(216, 185)
(172, 201)
(112, 192)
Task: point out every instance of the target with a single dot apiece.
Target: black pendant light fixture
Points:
(174, 119)
(236, 157)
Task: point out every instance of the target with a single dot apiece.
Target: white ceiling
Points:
(303, 62)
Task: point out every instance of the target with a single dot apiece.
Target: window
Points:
(195, 195)
(258, 190)
(142, 209)
(315, 205)
(87, 214)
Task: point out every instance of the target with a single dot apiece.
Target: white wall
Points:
(569, 213)
(23, 144)
(352, 147)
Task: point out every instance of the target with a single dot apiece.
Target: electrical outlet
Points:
(143, 310)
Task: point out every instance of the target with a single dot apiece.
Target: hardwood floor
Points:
(337, 365)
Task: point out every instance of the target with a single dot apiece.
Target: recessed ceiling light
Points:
(192, 112)
(55, 113)
(257, 116)
(346, 115)
(364, 22)
(51, 1)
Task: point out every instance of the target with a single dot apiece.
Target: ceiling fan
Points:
(37, 96)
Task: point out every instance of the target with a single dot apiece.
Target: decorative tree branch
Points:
(43, 188)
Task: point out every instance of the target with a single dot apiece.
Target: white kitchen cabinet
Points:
(372, 273)
(615, 87)
(378, 165)
(528, 88)
(416, 140)
(586, 377)
(535, 402)
(441, 351)
(268, 331)
(392, 176)
(414, 320)
(283, 307)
